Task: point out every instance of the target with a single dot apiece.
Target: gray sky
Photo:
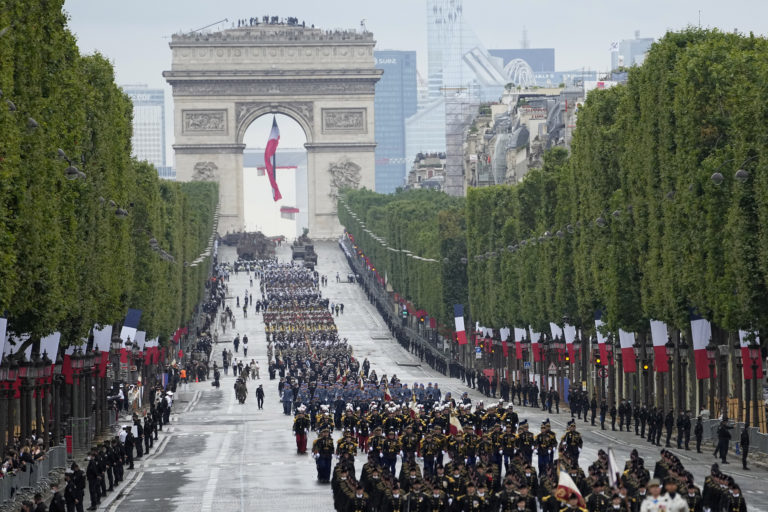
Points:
(134, 34)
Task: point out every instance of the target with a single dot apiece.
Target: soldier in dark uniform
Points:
(128, 444)
(687, 429)
(593, 409)
(358, 502)
(436, 501)
(73, 496)
(698, 432)
(396, 501)
(525, 442)
(612, 413)
(643, 420)
(744, 440)
(300, 429)
(693, 498)
(322, 450)
(92, 475)
(390, 447)
(669, 425)
(733, 501)
(603, 412)
(572, 442)
(598, 501)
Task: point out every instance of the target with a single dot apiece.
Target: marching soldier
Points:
(572, 442)
(322, 450)
(300, 429)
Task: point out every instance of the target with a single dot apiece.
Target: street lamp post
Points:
(25, 369)
(682, 355)
(38, 390)
(754, 355)
(669, 403)
(47, 371)
(711, 356)
(13, 374)
(58, 381)
(4, 368)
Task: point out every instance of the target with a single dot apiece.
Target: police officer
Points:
(698, 432)
(744, 439)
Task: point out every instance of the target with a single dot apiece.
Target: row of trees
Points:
(77, 214)
(428, 224)
(660, 209)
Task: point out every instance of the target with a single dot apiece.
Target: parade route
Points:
(220, 455)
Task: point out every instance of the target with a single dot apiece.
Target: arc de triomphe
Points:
(324, 80)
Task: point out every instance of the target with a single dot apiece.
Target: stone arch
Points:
(300, 111)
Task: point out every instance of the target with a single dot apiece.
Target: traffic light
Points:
(597, 361)
(567, 358)
(645, 369)
(405, 313)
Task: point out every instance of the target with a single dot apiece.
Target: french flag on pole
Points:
(458, 318)
(102, 338)
(130, 326)
(519, 337)
(535, 336)
(659, 336)
(744, 338)
(627, 342)
(270, 160)
(702, 333)
(600, 337)
(570, 336)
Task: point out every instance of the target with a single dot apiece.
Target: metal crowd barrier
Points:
(35, 475)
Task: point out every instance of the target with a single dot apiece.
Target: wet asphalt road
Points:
(220, 455)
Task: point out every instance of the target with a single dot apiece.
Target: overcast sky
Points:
(135, 34)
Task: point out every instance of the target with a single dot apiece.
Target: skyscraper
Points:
(148, 125)
(396, 100)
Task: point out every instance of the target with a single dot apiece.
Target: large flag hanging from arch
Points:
(659, 336)
(519, 337)
(270, 161)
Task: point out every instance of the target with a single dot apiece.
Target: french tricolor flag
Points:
(744, 338)
(702, 333)
(569, 331)
(102, 338)
(458, 318)
(601, 337)
(519, 337)
(504, 333)
(628, 360)
(270, 160)
(659, 337)
(535, 337)
(130, 326)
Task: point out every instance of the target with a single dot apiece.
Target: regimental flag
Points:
(102, 338)
(557, 332)
(614, 472)
(702, 333)
(659, 336)
(458, 318)
(628, 360)
(567, 488)
(270, 160)
(601, 337)
(519, 337)
(569, 332)
(744, 337)
(454, 425)
(535, 336)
